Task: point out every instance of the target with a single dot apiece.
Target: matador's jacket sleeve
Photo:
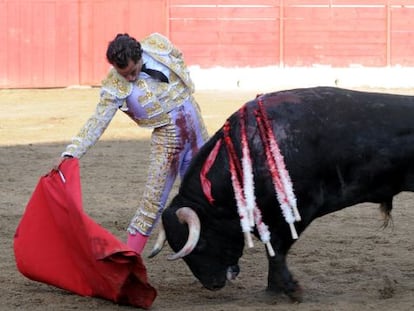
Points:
(113, 93)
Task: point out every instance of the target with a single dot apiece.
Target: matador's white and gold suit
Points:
(168, 108)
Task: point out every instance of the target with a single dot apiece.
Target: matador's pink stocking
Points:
(137, 242)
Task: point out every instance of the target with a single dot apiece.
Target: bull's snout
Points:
(218, 283)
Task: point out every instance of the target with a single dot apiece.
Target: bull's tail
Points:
(386, 208)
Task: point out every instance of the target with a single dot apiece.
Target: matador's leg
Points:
(162, 172)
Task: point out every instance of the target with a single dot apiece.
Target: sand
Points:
(344, 261)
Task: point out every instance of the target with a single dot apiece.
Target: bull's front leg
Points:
(281, 280)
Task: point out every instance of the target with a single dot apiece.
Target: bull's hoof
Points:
(294, 291)
(274, 290)
(296, 296)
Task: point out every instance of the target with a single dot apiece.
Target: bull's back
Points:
(326, 118)
(340, 146)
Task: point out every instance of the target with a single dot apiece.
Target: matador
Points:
(149, 82)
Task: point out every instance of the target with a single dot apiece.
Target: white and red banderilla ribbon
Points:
(243, 183)
(280, 176)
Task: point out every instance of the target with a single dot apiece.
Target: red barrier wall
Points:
(39, 43)
(54, 43)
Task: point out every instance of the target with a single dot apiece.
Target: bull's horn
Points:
(159, 243)
(187, 215)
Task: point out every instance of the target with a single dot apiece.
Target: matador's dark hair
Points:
(122, 49)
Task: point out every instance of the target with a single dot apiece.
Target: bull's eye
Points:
(201, 245)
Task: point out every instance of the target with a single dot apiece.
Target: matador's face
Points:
(131, 71)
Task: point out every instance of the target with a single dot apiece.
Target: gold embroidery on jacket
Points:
(117, 85)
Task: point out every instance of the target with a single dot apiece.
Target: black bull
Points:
(340, 147)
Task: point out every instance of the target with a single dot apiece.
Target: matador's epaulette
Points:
(117, 85)
(162, 50)
(157, 44)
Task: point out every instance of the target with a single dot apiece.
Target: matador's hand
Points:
(59, 160)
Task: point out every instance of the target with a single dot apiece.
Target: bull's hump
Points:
(301, 95)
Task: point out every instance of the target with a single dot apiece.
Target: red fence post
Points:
(281, 33)
(388, 34)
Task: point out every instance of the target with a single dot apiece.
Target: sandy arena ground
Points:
(344, 261)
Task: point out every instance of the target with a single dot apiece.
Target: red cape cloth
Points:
(58, 244)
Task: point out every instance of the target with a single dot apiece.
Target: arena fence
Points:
(55, 43)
